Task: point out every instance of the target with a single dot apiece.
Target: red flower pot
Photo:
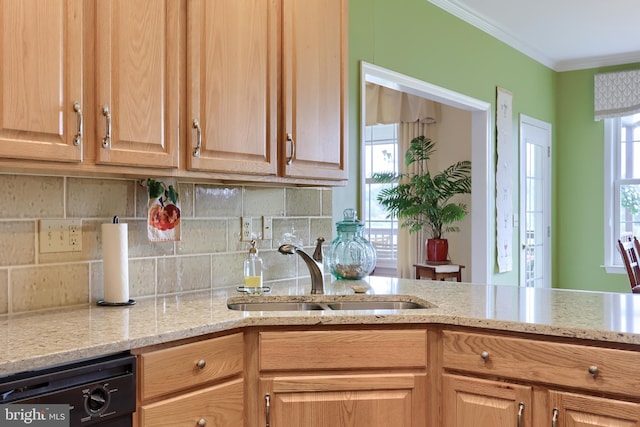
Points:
(437, 250)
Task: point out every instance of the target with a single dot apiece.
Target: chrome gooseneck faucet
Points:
(313, 264)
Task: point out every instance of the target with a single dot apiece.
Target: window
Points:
(622, 180)
(381, 155)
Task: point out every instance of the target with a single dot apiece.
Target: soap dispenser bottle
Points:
(253, 271)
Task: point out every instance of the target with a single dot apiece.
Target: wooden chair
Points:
(629, 249)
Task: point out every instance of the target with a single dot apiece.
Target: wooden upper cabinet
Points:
(137, 109)
(231, 86)
(41, 79)
(314, 43)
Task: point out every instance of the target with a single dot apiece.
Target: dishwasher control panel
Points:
(99, 391)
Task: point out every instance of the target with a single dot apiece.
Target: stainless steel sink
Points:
(375, 305)
(328, 303)
(275, 306)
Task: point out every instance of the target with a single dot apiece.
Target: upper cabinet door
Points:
(137, 109)
(232, 81)
(41, 79)
(314, 40)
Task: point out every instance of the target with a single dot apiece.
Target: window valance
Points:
(386, 106)
(616, 94)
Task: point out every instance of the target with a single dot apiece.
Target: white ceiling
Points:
(561, 34)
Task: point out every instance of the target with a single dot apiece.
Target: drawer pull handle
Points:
(201, 363)
(485, 355)
(520, 411)
(554, 418)
(594, 371)
(196, 126)
(202, 422)
(267, 409)
(106, 141)
(78, 110)
(292, 142)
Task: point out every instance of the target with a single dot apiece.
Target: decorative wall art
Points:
(504, 187)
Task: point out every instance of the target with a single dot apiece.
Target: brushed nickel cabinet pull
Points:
(554, 418)
(484, 355)
(202, 422)
(196, 126)
(293, 148)
(106, 142)
(78, 138)
(520, 411)
(201, 363)
(594, 371)
(267, 403)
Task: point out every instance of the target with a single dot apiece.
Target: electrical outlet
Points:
(267, 232)
(60, 235)
(246, 232)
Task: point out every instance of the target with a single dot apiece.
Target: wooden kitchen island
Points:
(482, 356)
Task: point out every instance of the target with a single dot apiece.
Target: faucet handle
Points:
(317, 254)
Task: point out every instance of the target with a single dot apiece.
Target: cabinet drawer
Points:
(220, 405)
(343, 349)
(177, 368)
(545, 362)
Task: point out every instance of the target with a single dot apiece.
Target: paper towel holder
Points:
(104, 303)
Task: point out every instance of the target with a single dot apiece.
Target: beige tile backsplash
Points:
(209, 255)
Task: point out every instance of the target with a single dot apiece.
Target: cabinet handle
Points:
(520, 411)
(106, 142)
(554, 418)
(202, 422)
(201, 363)
(594, 371)
(196, 126)
(78, 110)
(267, 412)
(293, 148)
(484, 355)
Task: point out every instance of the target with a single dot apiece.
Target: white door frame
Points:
(547, 170)
(483, 165)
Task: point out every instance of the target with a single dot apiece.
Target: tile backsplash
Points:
(209, 255)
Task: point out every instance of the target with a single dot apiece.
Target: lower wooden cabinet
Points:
(220, 405)
(468, 401)
(345, 378)
(345, 400)
(192, 384)
(491, 380)
(580, 410)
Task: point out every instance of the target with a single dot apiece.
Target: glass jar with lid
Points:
(350, 256)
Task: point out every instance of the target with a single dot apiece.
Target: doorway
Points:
(535, 203)
(482, 218)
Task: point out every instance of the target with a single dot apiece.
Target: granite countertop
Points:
(31, 341)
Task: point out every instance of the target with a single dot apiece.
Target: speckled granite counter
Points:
(47, 338)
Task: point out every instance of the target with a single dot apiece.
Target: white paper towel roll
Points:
(115, 263)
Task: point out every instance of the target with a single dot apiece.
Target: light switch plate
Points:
(60, 235)
(267, 232)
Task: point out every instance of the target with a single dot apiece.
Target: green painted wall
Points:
(415, 38)
(579, 151)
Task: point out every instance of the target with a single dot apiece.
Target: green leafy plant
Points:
(421, 199)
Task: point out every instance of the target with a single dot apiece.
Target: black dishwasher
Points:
(99, 391)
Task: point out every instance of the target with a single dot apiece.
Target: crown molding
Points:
(460, 11)
(598, 61)
(464, 13)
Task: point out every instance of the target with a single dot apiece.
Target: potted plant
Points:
(421, 199)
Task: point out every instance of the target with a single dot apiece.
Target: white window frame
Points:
(385, 265)
(612, 182)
